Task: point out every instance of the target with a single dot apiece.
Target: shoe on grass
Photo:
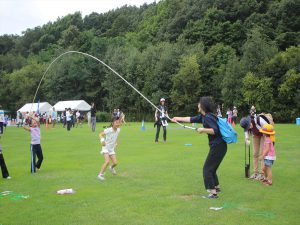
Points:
(101, 177)
(211, 196)
(253, 176)
(112, 170)
(260, 177)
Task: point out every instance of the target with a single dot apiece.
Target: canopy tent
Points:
(44, 107)
(80, 105)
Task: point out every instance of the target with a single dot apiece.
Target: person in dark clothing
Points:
(4, 170)
(217, 146)
(65, 117)
(93, 116)
(161, 120)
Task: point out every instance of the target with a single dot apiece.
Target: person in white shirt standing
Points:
(69, 119)
(108, 139)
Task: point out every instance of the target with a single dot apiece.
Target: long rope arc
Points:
(115, 72)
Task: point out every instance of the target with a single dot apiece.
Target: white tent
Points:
(80, 105)
(44, 107)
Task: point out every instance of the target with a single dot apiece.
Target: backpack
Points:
(228, 133)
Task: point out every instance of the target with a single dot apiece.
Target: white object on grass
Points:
(65, 191)
(216, 208)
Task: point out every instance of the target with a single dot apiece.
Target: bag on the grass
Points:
(228, 133)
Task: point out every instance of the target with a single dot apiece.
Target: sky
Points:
(18, 15)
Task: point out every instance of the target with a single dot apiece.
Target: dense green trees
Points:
(239, 52)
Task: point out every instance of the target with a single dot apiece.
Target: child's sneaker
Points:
(113, 171)
(101, 177)
(260, 177)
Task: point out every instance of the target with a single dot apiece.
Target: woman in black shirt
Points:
(217, 146)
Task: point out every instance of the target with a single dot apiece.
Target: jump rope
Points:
(116, 73)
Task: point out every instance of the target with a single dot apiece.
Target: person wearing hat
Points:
(268, 154)
(234, 115)
(252, 124)
(160, 119)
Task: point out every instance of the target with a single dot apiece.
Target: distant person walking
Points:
(54, 117)
(69, 119)
(65, 117)
(78, 119)
(229, 115)
(93, 116)
(234, 115)
(1, 120)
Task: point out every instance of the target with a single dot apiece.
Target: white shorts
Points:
(109, 152)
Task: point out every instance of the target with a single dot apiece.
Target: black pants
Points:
(212, 163)
(65, 121)
(4, 170)
(69, 124)
(158, 130)
(36, 151)
(1, 127)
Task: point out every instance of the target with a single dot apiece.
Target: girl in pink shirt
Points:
(268, 155)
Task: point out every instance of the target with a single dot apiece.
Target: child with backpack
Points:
(268, 154)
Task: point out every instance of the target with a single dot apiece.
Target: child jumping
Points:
(268, 153)
(35, 146)
(108, 139)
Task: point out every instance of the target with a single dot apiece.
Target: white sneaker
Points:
(260, 177)
(101, 177)
(254, 176)
(8, 178)
(112, 170)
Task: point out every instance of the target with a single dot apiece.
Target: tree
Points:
(258, 91)
(256, 51)
(187, 85)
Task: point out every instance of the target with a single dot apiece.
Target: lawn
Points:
(156, 183)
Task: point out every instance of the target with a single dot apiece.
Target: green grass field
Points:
(156, 183)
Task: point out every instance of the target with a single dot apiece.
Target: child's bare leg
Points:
(105, 164)
(269, 173)
(265, 170)
(114, 161)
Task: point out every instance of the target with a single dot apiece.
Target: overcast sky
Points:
(18, 15)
